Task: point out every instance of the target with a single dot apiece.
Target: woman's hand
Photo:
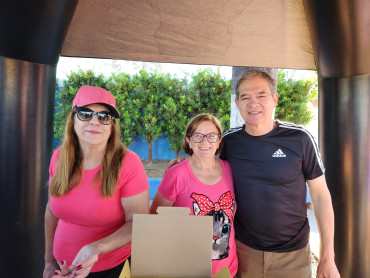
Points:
(84, 261)
(81, 265)
(63, 272)
(174, 162)
(50, 268)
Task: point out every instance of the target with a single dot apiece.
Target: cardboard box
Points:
(126, 272)
(172, 243)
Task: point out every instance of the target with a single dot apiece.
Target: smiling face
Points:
(204, 149)
(256, 104)
(92, 132)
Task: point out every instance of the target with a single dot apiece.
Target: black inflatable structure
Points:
(32, 34)
(341, 41)
(31, 39)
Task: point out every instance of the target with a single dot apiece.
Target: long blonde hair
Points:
(70, 162)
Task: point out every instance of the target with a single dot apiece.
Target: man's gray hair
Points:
(251, 74)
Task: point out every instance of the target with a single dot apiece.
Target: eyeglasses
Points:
(198, 137)
(85, 114)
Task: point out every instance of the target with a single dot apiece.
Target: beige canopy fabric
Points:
(263, 33)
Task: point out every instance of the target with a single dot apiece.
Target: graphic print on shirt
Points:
(223, 215)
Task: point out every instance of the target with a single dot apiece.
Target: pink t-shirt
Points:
(181, 186)
(85, 217)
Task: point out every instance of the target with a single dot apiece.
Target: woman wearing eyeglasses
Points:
(96, 185)
(204, 183)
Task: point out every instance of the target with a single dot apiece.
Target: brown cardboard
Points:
(171, 244)
(126, 272)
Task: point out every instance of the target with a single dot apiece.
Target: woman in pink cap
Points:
(96, 185)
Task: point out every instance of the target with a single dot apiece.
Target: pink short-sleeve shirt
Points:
(181, 186)
(84, 216)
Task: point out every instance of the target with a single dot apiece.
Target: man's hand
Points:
(327, 269)
(173, 162)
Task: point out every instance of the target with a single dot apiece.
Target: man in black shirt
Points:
(271, 162)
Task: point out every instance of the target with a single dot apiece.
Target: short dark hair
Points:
(193, 125)
(251, 74)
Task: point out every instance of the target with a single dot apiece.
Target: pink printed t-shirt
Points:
(181, 186)
(84, 216)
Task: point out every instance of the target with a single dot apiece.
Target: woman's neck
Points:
(207, 170)
(92, 155)
(203, 163)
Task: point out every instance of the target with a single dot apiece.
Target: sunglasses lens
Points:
(104, 118)
(84, 115)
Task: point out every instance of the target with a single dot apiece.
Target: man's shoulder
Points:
(233, 131)
(288, 125)
(297, 132)
(291, 128)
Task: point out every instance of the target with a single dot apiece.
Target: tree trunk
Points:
(150, 158)
(235, 117)
(177, 154)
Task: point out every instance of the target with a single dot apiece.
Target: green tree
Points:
(148, 98)
(176, 112)
(67, 93)
(295, 97)
(211, 94)
(123, 88)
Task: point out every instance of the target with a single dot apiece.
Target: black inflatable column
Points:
(340, 35)
(31, 37)
(345, 134)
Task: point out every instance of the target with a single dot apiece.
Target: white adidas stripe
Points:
(232, 130)
(298, 127)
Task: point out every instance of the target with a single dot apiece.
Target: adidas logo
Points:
(279, 153)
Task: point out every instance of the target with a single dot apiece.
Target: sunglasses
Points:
(85, 114)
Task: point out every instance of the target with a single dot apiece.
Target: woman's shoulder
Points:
(131, 157)
(55, 156)
(226, 168)
(54, 162)
(177, 170)
(180, 167)
(131, 160)
(224, 163)
(130, 154)
(57, 151)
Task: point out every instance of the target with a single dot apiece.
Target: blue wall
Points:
(160, 148)
(153, 186)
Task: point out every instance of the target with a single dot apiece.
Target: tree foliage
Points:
(122, 87)
(153, 104)
(176, 112)
(211, 94)
(148, 97)
(295, 98)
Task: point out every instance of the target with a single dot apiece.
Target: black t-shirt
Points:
(270, 173)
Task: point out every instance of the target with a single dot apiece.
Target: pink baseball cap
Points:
(90, 94)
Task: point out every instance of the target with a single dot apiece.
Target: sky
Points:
(109, 66)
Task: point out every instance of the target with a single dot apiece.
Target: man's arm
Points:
(323, 209)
